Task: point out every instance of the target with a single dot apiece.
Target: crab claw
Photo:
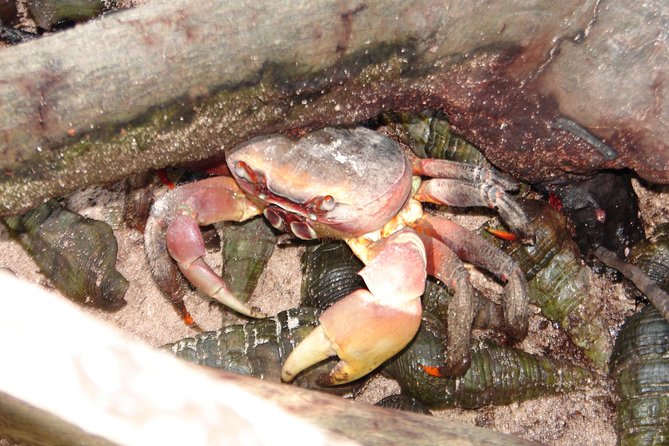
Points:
(179, 215)
(366, 328)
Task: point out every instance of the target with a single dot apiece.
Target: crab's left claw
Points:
(367, 327)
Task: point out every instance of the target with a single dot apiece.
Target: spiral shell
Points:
(497, 375)
(640, 370)
(246, 249)
(429, 135)
(257, 348)
(403, 402)
(640, 359)
(559, 282)
(329, 272)
(77, 254)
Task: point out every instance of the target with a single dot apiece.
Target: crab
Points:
(360, 186)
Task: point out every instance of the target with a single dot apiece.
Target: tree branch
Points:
(178, 81)
(71, 379)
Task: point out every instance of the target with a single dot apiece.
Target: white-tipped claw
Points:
(313, 349)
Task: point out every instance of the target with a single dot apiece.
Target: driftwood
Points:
(69, 379)
(547, 89)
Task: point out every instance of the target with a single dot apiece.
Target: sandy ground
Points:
(561, 420)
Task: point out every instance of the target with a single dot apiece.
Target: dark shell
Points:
(403, 402)
(246, 249)
(257, 348)
(497, 375)
(329, 273)
(640, 359)
(77, 254)
(559, 282)
(138, 200)
(429, 135)
(640, 370)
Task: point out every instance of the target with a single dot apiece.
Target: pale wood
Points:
(67, 378)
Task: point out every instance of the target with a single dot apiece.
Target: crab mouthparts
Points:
(283, 213)
(290, 222)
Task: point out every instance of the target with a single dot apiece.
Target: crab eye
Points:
(327, 203)
(243, 171)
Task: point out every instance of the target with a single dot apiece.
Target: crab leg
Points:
(366, 328)
(454, 192)
(438, 168)
(443, 264)
(475, 249)
(181, 213)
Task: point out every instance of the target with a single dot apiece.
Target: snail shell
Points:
(246, 249)
(77, 254)
(559, 282)
(640, 370)
(257, 348)
(497, 375)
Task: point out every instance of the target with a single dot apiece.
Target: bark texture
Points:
(547, 89)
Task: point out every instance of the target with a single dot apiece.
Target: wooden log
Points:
(69, 379)
(538, 85)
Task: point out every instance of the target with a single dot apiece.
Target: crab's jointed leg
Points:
(366, 328)
(465, 185)
(438, 168)
(465, 194)
(180, 213)
(476, 250)
(445, 265)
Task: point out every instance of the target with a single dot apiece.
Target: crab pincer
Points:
(179, 214)
(368, 326)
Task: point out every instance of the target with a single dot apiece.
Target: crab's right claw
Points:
(179, 214)
(368, 327)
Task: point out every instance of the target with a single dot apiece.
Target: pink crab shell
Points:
(366, 173)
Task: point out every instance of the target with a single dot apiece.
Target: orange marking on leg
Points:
(164, 179)
(504, 235)
(432, 370)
